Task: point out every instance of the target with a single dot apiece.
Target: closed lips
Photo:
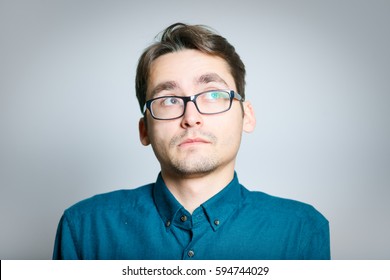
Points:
(193, 141)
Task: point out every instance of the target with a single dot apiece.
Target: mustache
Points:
(208, 136)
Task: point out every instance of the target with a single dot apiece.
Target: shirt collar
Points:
(217, 209)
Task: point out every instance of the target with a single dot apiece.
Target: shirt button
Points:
(168, 223)
(183, 218)
(190, 253)
(216, 222)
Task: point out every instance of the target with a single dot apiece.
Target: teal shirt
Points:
(149, 223)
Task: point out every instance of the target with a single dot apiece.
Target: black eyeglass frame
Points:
(192, 98)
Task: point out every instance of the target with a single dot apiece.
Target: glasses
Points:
(208, 103)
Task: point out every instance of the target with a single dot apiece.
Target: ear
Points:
(143, 132)
(249, 122)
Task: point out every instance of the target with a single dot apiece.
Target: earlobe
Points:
(249, 123)
(143, 132)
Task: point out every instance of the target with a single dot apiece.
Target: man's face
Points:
(194, 144)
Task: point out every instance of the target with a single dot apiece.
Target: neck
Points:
(192, 191)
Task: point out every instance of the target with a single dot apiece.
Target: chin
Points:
(194, 169)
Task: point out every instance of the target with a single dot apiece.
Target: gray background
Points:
(318, 77)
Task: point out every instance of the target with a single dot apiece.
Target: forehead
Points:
(186, 68)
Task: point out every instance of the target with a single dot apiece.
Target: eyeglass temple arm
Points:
(236, 95)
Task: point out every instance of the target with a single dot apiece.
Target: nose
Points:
(191, 116)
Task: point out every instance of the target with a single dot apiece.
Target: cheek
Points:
(159, 135)
(230, 133)
(231, 139)
(159, 145)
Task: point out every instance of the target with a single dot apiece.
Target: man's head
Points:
(195, 114)
(179, 37)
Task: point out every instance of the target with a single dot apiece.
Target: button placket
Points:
(198, 225)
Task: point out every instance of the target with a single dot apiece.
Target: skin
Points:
(197, 153)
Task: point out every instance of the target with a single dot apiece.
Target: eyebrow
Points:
(168, 85)
(211, 78)
(203, 79)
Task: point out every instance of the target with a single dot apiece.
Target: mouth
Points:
(193, 141)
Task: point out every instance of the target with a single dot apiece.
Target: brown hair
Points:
(181, 36)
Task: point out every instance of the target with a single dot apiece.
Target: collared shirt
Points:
(149, 223)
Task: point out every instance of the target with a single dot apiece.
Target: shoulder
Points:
(113, 201)
(262, 203)
(289, 222)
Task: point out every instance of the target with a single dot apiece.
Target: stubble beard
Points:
(190, 166)
(195, 162)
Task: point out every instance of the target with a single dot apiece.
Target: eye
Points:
(170, 101)
(216, 95)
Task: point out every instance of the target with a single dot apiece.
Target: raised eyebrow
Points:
(210, 78)
(168, 85)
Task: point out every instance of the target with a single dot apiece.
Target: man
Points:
(190, 87)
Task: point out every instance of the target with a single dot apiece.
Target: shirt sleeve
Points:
(65, 247)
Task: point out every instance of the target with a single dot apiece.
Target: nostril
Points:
(190, 122)
(191, 116)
